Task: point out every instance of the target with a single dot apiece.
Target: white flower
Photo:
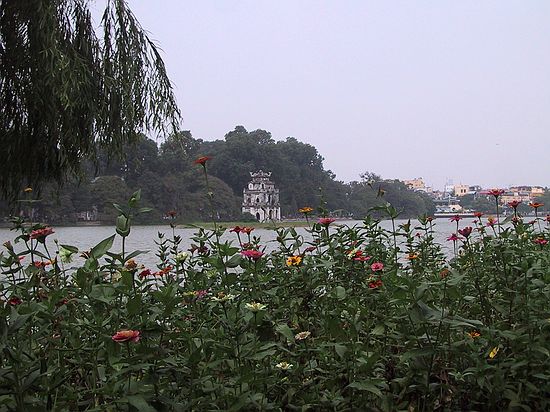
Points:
(302, 335)
(284, 366)
(182, 257)
(222, 297)
(255, 306)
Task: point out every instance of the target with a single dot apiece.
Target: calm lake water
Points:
(143, 237)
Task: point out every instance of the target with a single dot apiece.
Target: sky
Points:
(445, 90)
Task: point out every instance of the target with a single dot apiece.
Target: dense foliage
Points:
(67, 89)
(170, 181)
(353, 318)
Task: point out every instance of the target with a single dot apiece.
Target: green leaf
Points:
(366, 386)
(134, 305)
(285, 331)
(340, 350)
(139, 403)
(102, 247)
(340, 292)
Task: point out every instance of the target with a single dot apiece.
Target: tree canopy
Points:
(67, 89)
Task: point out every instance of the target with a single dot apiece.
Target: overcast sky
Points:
(435, 89)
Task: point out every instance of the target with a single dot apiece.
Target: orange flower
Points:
(27, 190)
(126, 336)
(40, 234)
(202, 160)
(305, 210)
(412, 256)
(474, 334)
(536, 205)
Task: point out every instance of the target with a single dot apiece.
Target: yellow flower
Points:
(305, 210)
(474, 334)
(293, 260)
(412, 256)
(494, 352)
(27, 190)
(302, 335)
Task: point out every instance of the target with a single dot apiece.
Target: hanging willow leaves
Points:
(67, 89)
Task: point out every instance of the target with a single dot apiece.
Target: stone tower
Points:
(260, 198)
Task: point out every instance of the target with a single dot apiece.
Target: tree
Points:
(65, 89)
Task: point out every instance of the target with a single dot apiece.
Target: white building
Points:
(261, 198)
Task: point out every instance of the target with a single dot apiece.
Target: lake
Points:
(143, 237)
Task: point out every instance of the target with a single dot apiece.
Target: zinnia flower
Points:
(474, 334)
(496, 192)
(494, 352)
(412, 256)
(491, 221)
(377, 266)
(293, 260)
(514, 203)
(236, 229)
(453, 237)
(455, 218)
(302, 335)
(171, 214)
(466, 231)
(305, 210)
(223, 297)
(145, 273)
(375, 284)
(540, 241)
(182, 257)
(478, 214)
(14, 301)
(126, 336)
(536, 205)
(325, 221)
(247, 230)
(284, 366)
(40, 234)
(252, 254)
(27, 190)
(202, 160)
(255, 306)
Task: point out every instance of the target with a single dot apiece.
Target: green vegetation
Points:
(347, 321)
(171, 182)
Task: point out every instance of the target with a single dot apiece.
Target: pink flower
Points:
(199, 294)
(453, 237)
(466, 231)
(478, 214)
(126, 336)
(455, 218)
(40, 234)
(377, 266)
(514, 203)
(325, 221)
(252, 254)
(540, 241)
(236, 229)
(145, 273)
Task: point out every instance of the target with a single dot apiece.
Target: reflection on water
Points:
(143, 237)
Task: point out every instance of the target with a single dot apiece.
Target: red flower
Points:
(202, 160)
(171, 214)
(40, 234)
(514, 203)
(377, 266)
(536, 205)
(453, 237)
(548, 218)
(126, 336)
(540, 241)
(429, 219)
(237, 229)
(455, 218)
(309, 249)
(478, 214)
(496, 192)
(14, 301)
(145, 273)
(466, 231)
(359, 256)
(325, 221)
(252, 254)
(375, 284)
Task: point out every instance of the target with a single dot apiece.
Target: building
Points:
(461, 190)
(261, 198)
(416, 184)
